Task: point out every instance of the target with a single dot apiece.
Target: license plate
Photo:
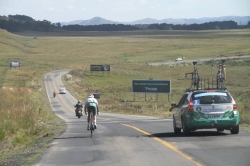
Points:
(214, 116)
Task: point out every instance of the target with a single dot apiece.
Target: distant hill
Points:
(97, 21)
(92, 21)
(241, 20)
(72, 22)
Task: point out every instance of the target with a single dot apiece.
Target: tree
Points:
(58, 24)
(21, 18)
(217, 28)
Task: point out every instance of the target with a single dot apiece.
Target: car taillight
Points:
(190, 106)
(235, 107)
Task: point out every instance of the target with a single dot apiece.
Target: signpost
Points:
(103, 68)
(15, 64)
(151, 86)
(97, 95)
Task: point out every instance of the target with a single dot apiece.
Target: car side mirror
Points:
(173, 105)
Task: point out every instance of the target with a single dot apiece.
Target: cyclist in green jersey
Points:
(91, 102)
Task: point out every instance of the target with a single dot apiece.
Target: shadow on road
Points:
(72, 137)
(192, 134)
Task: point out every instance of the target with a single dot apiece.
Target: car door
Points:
(180, 109)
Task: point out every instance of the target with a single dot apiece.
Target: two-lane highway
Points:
(135, 140)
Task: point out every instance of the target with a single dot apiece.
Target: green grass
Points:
(128, 54)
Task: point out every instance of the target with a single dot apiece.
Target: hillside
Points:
(240, 20)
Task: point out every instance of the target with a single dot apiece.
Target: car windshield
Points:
(211, 97)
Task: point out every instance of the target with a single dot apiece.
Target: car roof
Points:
(206, 90)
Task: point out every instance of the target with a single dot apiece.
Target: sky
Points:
(123, 10)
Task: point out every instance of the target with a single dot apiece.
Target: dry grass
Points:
(127, 53)
(17, 113)
(25, 116)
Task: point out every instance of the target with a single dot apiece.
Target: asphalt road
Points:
(123, 140)
(199, 60)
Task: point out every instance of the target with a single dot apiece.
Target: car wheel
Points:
(186, 130)
(176, 130)
(234, 130)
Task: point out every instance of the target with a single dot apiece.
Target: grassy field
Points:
(128, 54)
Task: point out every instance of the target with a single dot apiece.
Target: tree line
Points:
(205, 26)
(15, 23)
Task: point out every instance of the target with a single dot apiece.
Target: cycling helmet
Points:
(91, 96)
(79, 101)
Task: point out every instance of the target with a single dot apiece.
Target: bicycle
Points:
(221, 75)
(195, 77)
(91, 120)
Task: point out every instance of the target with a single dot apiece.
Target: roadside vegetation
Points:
(25, 116)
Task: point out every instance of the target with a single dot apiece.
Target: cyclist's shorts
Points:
(92, 106)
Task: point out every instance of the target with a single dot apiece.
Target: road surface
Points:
(124, 140)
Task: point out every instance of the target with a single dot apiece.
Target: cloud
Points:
(51, 9)
(83, 9)
(70, 7)
(189, 1)
(154, 7)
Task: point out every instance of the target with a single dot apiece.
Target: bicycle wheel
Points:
(91, 122)
(221, 80)
(217, 82)
(196, 79)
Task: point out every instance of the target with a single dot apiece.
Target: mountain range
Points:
(241, 20)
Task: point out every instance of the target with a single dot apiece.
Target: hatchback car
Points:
(206, 109)
(62, 90)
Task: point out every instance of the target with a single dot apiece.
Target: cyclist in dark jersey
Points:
(78, 106)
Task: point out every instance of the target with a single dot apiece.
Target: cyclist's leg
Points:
(94, 114)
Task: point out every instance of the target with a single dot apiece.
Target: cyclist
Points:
(54, 94)
(91, 102)
(78, 106)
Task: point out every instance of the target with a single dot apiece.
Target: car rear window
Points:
(211, 97)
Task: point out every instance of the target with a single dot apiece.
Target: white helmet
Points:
(91, 96)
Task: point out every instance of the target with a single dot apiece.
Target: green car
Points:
(206, 109)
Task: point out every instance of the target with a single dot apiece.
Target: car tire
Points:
(176, 130)
(235, 129)
(186, 130)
